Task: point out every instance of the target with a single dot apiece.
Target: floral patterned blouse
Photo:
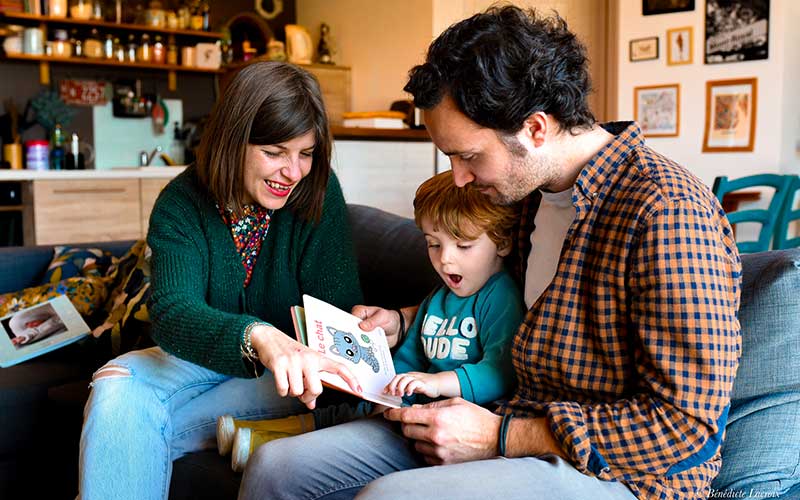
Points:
(248, 232)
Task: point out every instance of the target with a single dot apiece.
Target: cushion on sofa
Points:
(762, 447)
(393, 263)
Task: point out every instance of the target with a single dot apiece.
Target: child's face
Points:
(465, 266)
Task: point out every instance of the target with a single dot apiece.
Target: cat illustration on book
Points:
(347, 347)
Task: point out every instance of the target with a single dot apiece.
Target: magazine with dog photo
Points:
(39, 329)
(335, 334)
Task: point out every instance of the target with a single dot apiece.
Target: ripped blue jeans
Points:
(150, 408)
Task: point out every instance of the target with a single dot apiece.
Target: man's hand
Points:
(450, 431)
(295, 367)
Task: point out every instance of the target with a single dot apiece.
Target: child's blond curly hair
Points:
(464, 213)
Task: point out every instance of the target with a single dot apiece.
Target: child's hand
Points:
(406, 384)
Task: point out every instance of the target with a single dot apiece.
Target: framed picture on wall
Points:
(680, 46)
(651, 7)
(657, 109)
(643, 49)
(730, 115)
(736, 30)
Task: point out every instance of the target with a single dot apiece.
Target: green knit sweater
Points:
(199, 307)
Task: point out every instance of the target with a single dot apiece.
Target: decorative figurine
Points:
(324, 49)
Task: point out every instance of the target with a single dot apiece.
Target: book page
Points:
(39, 329)
(335, 334)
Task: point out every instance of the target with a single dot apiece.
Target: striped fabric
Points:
(632, 350)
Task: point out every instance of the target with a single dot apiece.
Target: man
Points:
(626, 358)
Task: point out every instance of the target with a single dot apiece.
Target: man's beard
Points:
(524, 174)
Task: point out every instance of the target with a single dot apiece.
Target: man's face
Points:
(505, 171)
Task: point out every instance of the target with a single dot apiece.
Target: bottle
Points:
(145, 52)
(172, 51)
(206, 17)
(159, 52)
(108, 47)
(176, 148)
(77, 45)
(74, 157)
(119, 50)
(130, 52)
(57, 153)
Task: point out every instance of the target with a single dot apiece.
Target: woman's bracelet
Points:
(503, 436)
(247, 341)
(402, 334)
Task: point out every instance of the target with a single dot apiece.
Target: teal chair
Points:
(786, 217)
(767, 218)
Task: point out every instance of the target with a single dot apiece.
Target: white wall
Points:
(777, 120)
(379, 40)
(587, 18)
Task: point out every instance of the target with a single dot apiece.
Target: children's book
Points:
(39, 329)
(335, 334)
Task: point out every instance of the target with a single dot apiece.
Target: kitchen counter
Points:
(115, 173)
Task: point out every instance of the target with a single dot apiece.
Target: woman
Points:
(236, 239)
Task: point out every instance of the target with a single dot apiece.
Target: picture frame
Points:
(736, 30)
(731, 107)
(643, 49)
(680, 46)
(653, 7)
(657, 109)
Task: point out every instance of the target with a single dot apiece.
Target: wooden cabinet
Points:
(76, 211)
(149, 189)
(66, 211)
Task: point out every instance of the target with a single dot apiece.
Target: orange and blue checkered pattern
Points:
(632, 350)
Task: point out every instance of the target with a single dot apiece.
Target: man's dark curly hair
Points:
(505, 64)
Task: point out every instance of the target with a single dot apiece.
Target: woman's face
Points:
(272, 171)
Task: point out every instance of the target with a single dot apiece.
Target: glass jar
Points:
(145, 52)
(92, 46)
(58, 8)
(159, 51)
(184, 18)
(38, 155)
(80, 9)
(61, 45)
(172, 20)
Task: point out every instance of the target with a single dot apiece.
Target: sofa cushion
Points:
(77, 261)
(762, 446)
(393, 263)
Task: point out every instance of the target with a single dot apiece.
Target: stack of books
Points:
(375, 119)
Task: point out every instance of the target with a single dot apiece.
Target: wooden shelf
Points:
(34, 19)
(10, 208)
(108, 62)
(380, 134)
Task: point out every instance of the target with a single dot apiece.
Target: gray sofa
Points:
(41, 401)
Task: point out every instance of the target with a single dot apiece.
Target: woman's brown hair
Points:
(265, 103)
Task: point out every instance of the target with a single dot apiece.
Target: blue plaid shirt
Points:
(632, 350)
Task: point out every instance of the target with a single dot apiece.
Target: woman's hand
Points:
(296, 367)
(388, 319)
